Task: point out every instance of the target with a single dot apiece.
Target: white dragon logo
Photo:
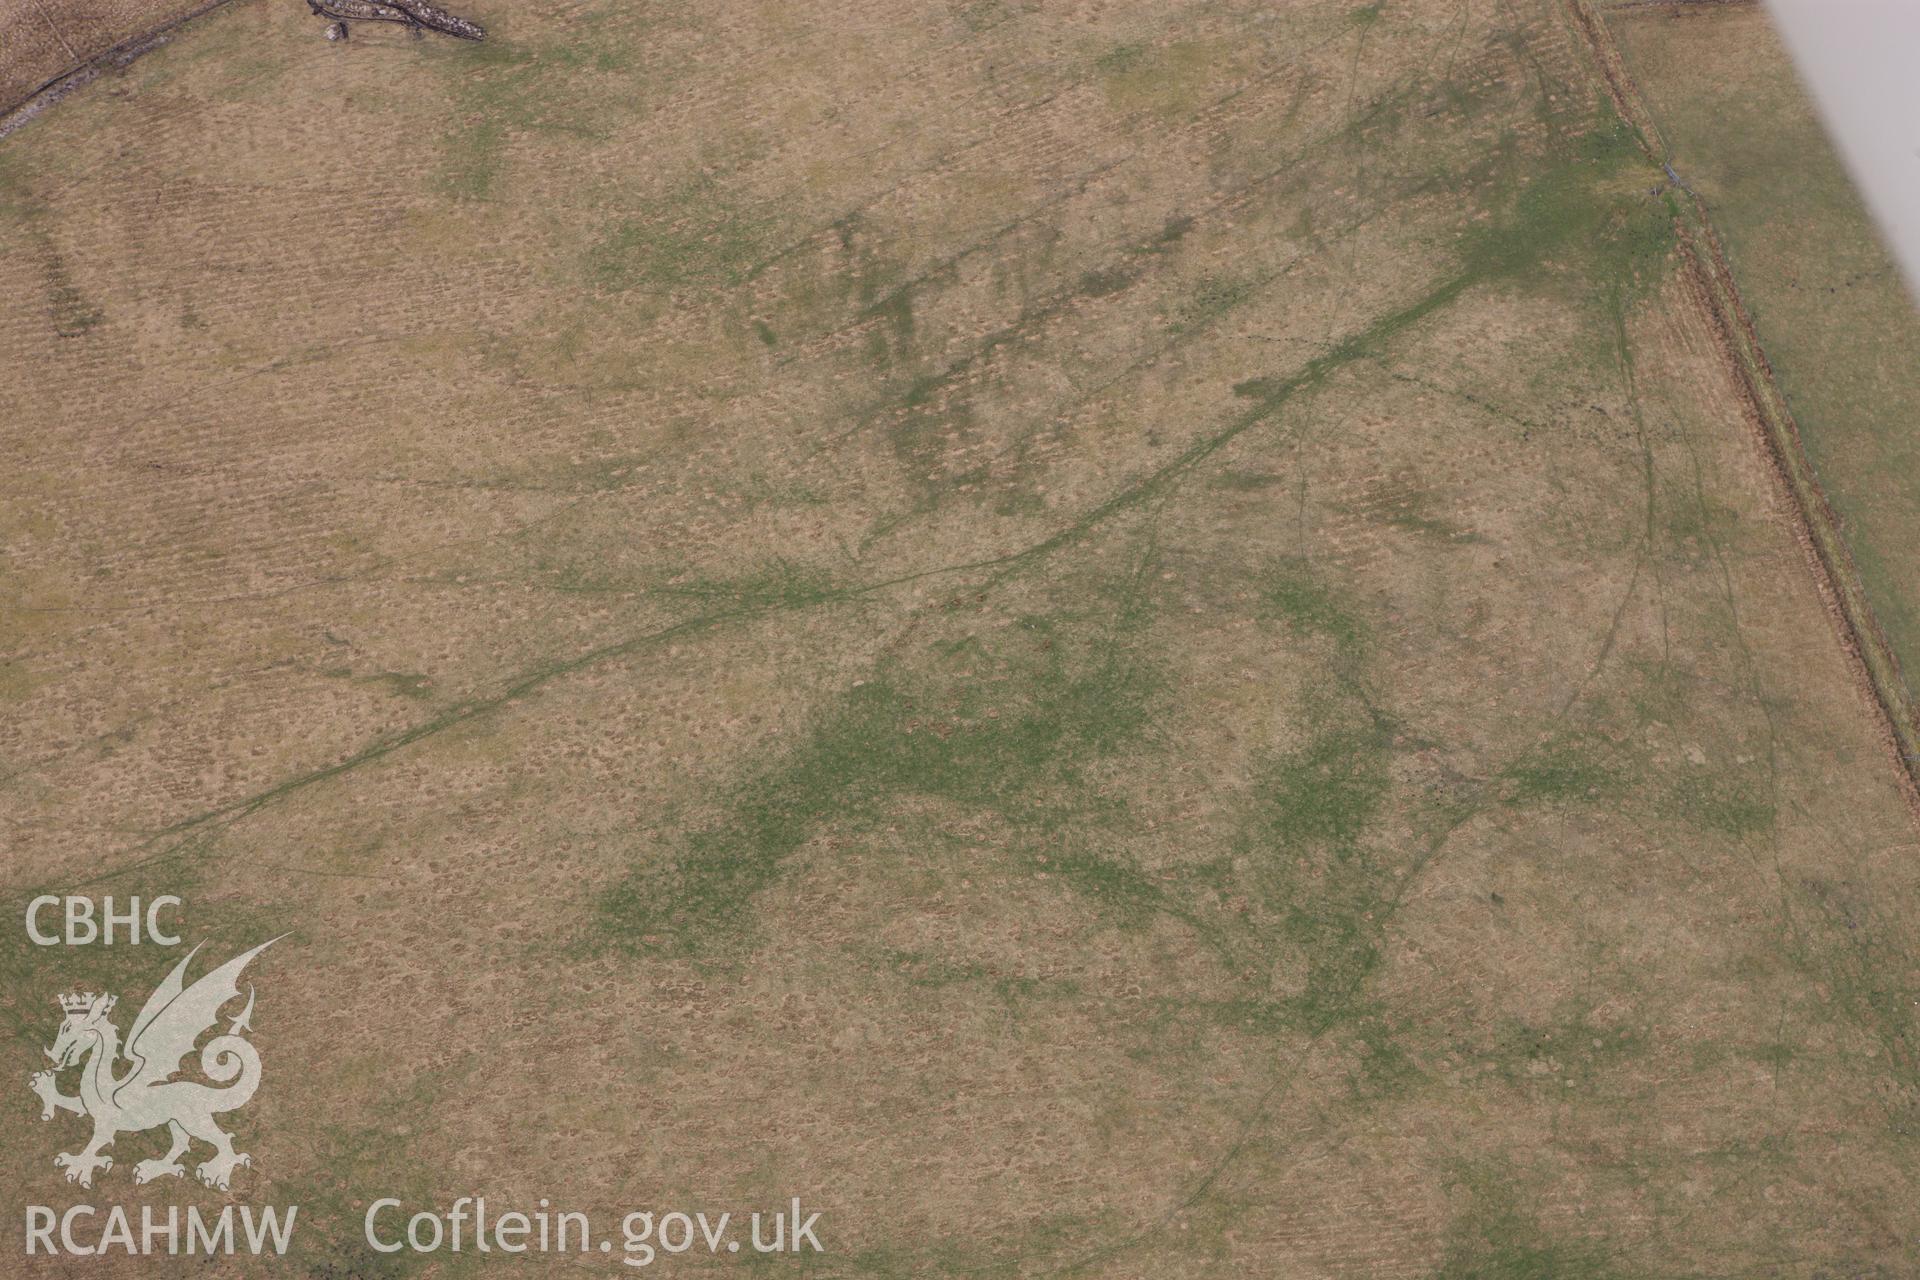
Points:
(145, 1096)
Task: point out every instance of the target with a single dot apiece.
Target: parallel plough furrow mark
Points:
(1125, 269)
(1219, 109)
(867, 319)
(825, 234)
(742, 72)
(1270, 401)
(1087, 401)
(183, 836)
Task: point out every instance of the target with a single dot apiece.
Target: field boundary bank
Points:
(13, 115)
(1676, 7)
(1816, 526)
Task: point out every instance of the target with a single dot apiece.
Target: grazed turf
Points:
(1130, 641)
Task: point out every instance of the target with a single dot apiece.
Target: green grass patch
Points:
(1568, 1046)
(1330, 898)
(1522, 1255)
(781, 584)
(1495, 1239)
(1115, 884)
(1121, 59)
(582, 86)
(1167, 81)
(991, 745)
(1589, 210)
(471, 159)
(1291, 593)
(693, 240)
(1327, 792)
(1861, 956)
(1731, 803)
(1212, 298)
(1562, 771)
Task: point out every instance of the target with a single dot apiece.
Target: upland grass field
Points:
(1124, 639)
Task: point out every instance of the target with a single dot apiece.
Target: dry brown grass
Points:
(1117, 639)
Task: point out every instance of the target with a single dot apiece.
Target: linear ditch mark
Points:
(1815, 526)
(1134, 262)
(184, 836)
(1676, 7)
